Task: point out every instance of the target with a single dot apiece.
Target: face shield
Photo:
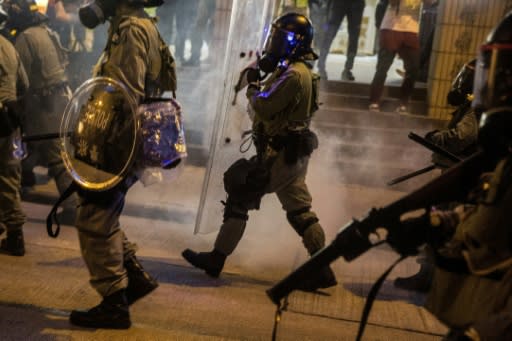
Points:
(493, 77)
(279, 44)
(462, 85)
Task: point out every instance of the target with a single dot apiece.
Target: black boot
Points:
(420, 282)
(13, 244)
(111, 313)
(140, 282)
(211, 262)
(322, 279)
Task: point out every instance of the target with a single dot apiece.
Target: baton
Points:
(411, 175)
(42, 137)
(433, 147)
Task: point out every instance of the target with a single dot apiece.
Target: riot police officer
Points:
(283, 106)
(472, 285)
(13, 82)
(45, 62)
(137, 57)
(459, 138)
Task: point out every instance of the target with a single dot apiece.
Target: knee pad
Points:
(301, 219)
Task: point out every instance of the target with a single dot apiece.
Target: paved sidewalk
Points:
(38, 291)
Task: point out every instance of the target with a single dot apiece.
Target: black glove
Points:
(457, 335)
(253, 75)
(407, 236)
(428, 136)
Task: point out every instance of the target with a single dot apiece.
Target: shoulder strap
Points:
(52, 216)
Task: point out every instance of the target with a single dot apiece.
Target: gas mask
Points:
(96, 12)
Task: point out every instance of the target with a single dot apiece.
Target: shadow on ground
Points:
(387, 292)
(166, 272)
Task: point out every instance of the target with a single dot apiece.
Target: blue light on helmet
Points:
(291, 38)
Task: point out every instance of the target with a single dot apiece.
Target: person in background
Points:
(201, 31)
(176, 23)
(13, 84)
(398, 35)
(338, 10)
(45, 62)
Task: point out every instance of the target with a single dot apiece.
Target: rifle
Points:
(431, 146)
(353, 239)
(434, 147)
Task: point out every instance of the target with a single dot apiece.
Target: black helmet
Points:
(462, 85)
(23, 14)
(290, 38)
(493, 77)
(493, 89)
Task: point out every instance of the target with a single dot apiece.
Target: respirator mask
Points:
(96, 12)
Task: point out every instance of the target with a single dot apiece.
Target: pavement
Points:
(38, 291)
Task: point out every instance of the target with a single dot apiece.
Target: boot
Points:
(111, 313)
(323, 279)
(420, 282)
(13, 244)
(211, 262)
(140, 282)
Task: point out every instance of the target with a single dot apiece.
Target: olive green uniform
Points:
(282, 106)
(45, 63)
(478, 295)
(132, 56)
(12, 79)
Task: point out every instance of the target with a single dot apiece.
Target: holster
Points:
(245, 182)
(299, 144)
(9, 121)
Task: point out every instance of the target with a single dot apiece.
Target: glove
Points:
(253, 75)
(462, 335)
(430, 134)
(406, 236)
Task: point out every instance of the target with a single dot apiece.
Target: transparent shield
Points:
(250, 22)
(99, 134)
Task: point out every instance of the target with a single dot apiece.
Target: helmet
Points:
(493, 75)
(290, 38)
(462, 85)
(22, 14)
(493, 89)
(96, 12)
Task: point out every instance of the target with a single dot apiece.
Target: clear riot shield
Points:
(250, 21)
(99, 134)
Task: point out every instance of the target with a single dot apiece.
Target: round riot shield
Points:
(99, 134)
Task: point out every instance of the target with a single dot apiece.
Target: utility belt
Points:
(459, 266)
(296, 144)
(51, 90)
